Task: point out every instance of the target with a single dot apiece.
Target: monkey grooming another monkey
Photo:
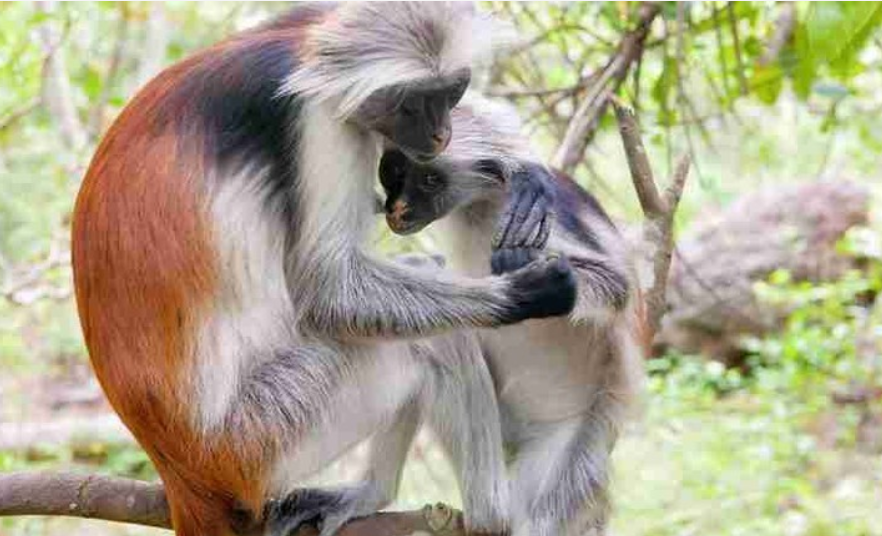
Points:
(232, 314)
(563, 384)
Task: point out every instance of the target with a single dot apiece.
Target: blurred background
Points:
(763, 412)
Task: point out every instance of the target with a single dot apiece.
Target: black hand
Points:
(526, 219)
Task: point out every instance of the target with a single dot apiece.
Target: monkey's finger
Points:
(520, 258)
(538, 214)
(539, 237)
(499, 260)
(511, 259)
(520, 206)
(544, 232)
(503, 226)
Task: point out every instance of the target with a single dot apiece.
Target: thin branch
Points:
(784, 26)
(659, 211)
(736, 42)
(685, 105)
(16, 115)
(57, 92)
(526, 93)
(584, 122)
(23, 285)
(638, 162)
(142, 503)
(718, 33)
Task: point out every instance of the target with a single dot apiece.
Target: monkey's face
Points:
(415, 117)
(418, 194)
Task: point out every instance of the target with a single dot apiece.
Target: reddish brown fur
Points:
(146, 275)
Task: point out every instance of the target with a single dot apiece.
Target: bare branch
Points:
(57, 93)
(24, 284)
(659, 211)
(784, 26)
(89, 496)
(584, 122)
(638, 162)
(15, 115)
(142, 503)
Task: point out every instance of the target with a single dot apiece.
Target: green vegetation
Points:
(790, 443)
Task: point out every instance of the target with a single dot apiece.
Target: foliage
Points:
(831, 339)
(768, 451)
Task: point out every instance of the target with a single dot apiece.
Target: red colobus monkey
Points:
(563, 384)
(231, 314)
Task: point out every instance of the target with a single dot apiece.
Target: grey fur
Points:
(301, 348)
(564, 385)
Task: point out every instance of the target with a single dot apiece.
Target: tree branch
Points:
(142, 503)
(89, 496)
(641, 172)
(784, 26)
(659, 210)
(19, 113)
(57, 92)
(582, 126)
(736, 43)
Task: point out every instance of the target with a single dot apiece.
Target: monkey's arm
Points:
(377, 299)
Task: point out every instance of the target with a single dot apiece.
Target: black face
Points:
(416, 194)
(415, 118)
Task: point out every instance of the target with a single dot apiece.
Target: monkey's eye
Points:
(408, 110)
(432, 182)
(410, 106)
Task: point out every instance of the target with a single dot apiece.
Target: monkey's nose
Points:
(440, 139)
(397, 216)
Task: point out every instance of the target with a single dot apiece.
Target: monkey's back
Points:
(146, 260)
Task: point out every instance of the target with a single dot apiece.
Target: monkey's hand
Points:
(545, 287)
(526, 220)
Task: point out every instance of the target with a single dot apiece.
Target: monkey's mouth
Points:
(401, 226)
(419, 157)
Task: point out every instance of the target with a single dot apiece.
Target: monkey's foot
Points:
(328, 510)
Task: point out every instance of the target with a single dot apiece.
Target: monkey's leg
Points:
(388, 452)
(562, 476)
(463, 412)
(313, 404)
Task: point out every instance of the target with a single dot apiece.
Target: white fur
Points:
(253, 311)
(353, 412)
(389, 42)
(335, 186)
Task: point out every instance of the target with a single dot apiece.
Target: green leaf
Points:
(766, 82)
(806, 69)
(92, 82)
(661, 89)
(836, 31)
